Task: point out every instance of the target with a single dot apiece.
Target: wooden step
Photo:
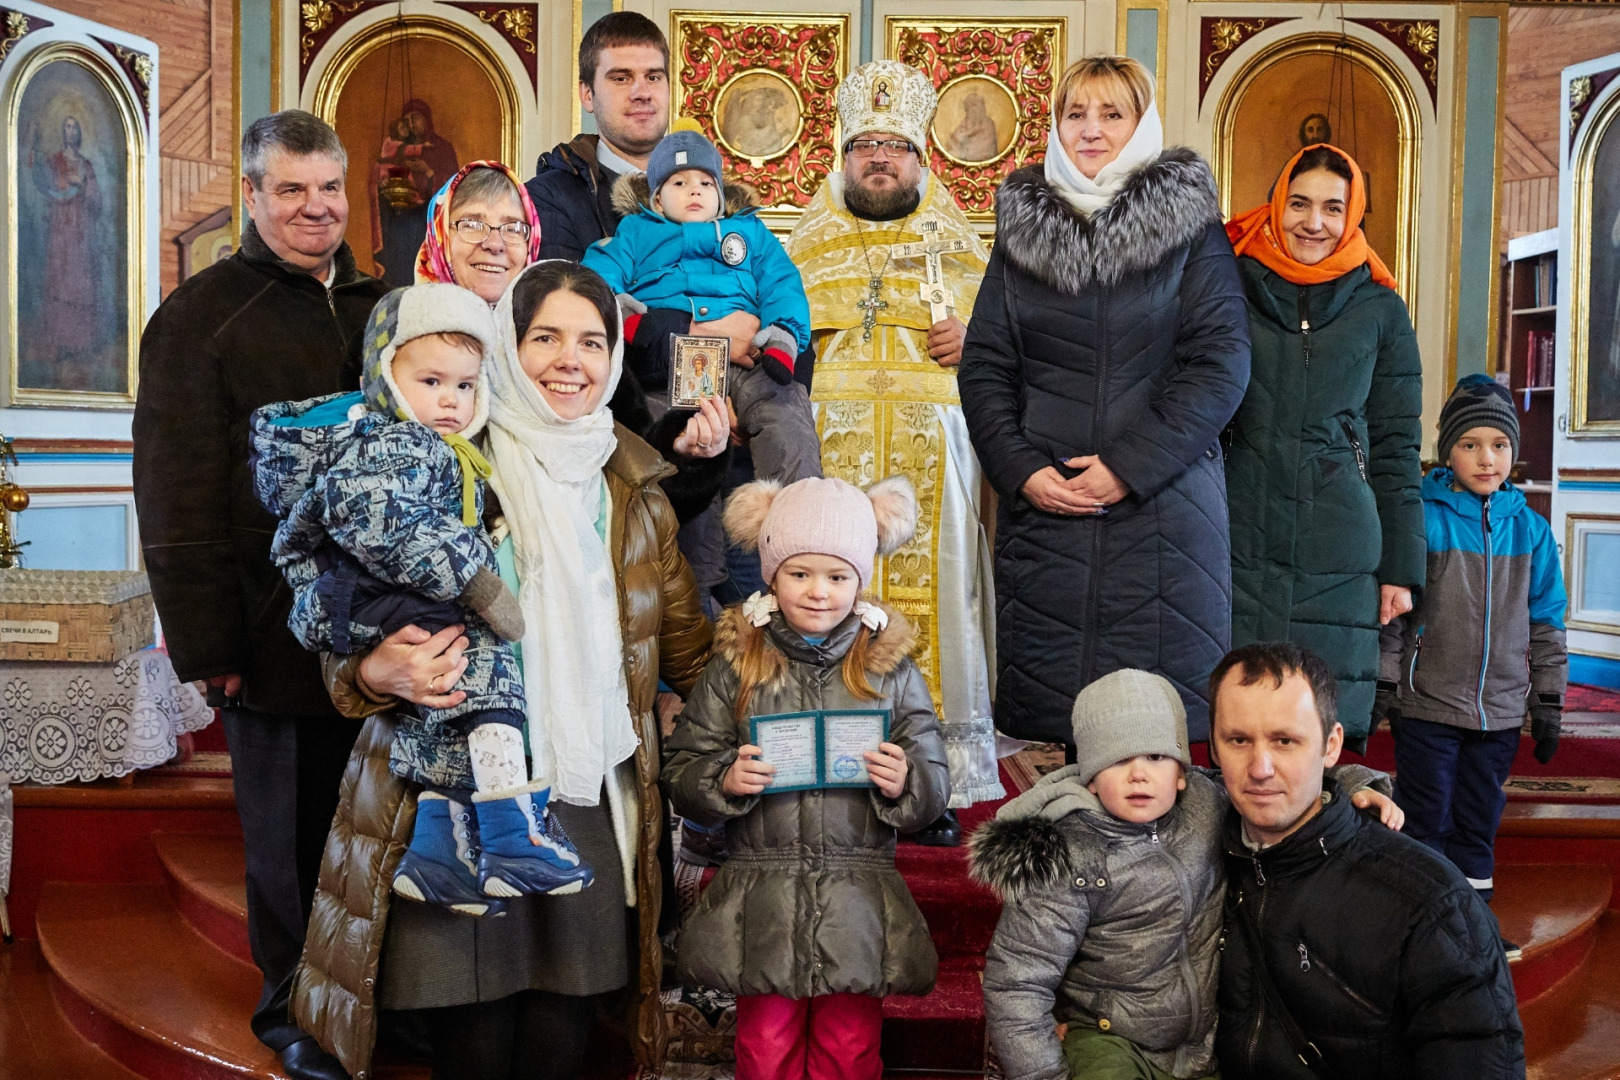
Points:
(1572, 1032)
(207, 879)
(136, 980)
(942, 1032)
(36, 1041)
(1552, 912)
(101, 831)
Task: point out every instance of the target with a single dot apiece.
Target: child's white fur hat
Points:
(823, 517)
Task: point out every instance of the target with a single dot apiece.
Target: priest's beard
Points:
(897, 202)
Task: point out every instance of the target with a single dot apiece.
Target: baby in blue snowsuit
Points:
(381, 506)
(690, 242)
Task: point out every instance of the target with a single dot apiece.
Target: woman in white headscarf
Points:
(586, 541)
(1109, 347)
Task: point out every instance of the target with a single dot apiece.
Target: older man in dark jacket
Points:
(1350, 950)
(274, 322)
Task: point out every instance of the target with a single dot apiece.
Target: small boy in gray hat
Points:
(1112, 881)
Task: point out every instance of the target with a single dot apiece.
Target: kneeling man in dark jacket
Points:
(1350, 950)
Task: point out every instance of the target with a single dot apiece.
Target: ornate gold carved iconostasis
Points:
(1412, 90)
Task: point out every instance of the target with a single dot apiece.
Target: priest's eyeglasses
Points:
(864, 148)
(473, 231)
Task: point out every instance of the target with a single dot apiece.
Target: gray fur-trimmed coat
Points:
(1126, 335)
(1108, 922)
(809, 901)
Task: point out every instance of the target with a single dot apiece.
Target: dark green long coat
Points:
(1322, 474)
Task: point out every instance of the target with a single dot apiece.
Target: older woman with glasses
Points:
(482, 229)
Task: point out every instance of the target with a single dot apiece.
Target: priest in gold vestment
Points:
(891, 267)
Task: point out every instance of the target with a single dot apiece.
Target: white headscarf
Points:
(1089, 196)
(548, 475)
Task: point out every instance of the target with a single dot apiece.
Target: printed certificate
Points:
(845, 739)
(789, 742)
(824, 748)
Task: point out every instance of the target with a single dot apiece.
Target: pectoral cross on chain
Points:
(933, 291)
(870, 307)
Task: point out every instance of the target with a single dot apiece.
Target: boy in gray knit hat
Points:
(1485, 643)
(1112, 881)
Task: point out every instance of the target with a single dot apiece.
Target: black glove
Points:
(1387, 705)
(1546, 720)
(1356, 744)
(777, 351)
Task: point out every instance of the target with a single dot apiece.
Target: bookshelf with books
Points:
(1529, 350)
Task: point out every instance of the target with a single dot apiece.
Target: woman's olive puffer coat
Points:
(1125, 335)
(809, 901)
(1323, 473)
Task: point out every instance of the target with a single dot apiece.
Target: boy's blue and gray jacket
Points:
(1108, 923)
(669, 265)
(1488, 627)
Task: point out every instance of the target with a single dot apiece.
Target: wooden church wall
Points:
(1542, 41)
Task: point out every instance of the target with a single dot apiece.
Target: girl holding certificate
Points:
(808, 922)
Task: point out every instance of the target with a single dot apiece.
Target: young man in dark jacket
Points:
(273, 322)
(1350, 950)
(624, 84)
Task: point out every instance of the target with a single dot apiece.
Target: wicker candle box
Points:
(88, 616)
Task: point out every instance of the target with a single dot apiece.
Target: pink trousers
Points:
(831, 1037)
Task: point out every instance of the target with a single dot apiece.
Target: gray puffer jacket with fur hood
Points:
(809, 901)
(1108, 923)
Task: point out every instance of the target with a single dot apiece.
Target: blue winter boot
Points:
(440, 866)
(525, 850)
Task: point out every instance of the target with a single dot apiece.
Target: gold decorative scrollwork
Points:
(1217, 38)
(712, 51)
(1419, 40)
(318, 15)
(17, 27)
(517, 22)
(1020, 56)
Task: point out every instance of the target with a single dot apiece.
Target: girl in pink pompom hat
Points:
(808, 922)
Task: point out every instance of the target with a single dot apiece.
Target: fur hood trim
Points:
(1018, 855)
(1164, 205)
(631, 193)
(888, 648)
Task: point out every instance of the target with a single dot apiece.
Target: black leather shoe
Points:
(305, 1060)
(945, 832)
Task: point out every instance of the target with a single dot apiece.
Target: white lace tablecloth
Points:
(66, 721)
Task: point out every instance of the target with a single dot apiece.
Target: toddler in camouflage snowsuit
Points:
(381, 506)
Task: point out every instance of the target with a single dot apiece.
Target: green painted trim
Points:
(1142, 38)
(253, 51)
(868, 18)
(1476, 257)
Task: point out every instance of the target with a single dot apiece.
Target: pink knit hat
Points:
(822, 517)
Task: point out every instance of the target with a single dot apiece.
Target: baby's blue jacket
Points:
(668, 265)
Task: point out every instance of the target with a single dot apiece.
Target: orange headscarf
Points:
(1258, 233)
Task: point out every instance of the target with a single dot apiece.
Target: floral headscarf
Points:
(433, 261)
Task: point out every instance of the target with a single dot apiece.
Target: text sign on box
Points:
(39, 631)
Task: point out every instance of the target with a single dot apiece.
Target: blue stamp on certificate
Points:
(822, 748)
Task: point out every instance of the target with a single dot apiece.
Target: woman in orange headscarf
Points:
(1322, 468)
